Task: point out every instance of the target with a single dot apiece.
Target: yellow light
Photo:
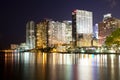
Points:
(54, 50)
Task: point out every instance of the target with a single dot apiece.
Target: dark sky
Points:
(14, 14)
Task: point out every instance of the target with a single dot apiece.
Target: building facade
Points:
(30, 34)
(42, 34)
(60, 33)
(53, 33)
(106, 27)
(68, 31)
(82, 28)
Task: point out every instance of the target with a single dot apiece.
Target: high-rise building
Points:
(95, 35)
(68, 31)
(60, 32)
(106, 27)
(82, 27)
(55, 33)
(42, 34)
(30, 34)
(51, 33)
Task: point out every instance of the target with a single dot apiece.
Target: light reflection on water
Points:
(58, 66)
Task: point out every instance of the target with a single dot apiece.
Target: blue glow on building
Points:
(95, 31)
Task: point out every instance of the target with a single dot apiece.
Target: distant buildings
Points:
(106, 27)
(95, 35)
(30, 34)
(82, 28)
(14, 46)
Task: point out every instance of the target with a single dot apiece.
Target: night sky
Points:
(14, 14)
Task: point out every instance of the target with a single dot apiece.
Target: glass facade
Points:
(82, 25)
(84, 21)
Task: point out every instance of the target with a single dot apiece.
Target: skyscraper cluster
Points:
(79, 32)
(49, 33)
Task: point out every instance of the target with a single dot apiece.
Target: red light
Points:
(75, 11)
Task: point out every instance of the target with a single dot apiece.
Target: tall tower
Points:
(42, 34)
(30, 34)
(82, 27)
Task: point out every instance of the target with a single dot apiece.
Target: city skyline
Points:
(15, 15)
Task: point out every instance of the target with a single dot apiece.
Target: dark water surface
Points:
(57, 66)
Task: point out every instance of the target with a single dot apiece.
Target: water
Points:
(58, 66)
